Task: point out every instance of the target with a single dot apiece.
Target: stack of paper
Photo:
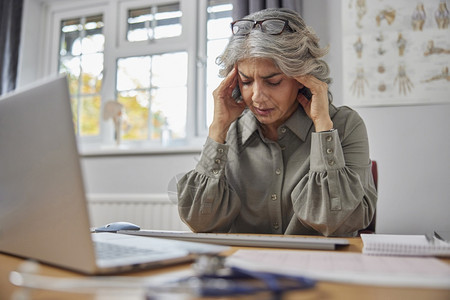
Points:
(346, 267)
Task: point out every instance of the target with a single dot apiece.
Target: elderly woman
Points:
(279, 158)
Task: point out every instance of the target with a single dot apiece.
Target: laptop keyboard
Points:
(111, 251)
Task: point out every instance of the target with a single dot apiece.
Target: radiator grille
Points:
(149, 211)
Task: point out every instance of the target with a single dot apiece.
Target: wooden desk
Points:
(323, 290)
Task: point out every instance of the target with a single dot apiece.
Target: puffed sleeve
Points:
(338, 196)
(206, 203)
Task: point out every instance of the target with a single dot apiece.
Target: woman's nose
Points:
(258, 95)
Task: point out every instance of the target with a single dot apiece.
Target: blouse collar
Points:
(299, 123)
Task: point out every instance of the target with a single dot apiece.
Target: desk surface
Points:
(323, 290)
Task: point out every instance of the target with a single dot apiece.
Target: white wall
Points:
(136, 174)
(410, 143)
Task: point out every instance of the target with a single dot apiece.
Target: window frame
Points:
(201, 58)
(192, 40)
(125, 6)
(63, 11)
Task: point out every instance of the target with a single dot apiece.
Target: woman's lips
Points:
(263, 111)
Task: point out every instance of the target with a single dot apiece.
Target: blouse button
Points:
(220, 150)
(217, 161)
(274, 197)
(329, 138)
(283, 130)
(215, 172)
(278, 171)
(331, 162)
(275, 225)
(329, 150)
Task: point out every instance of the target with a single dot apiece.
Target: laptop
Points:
(43, 208)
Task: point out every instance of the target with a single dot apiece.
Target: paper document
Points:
(348, 267)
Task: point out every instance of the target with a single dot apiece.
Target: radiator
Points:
(149, 211)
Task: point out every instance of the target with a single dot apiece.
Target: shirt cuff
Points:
(326, 151)
(213, 159)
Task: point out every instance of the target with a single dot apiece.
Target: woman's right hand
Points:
(226, 110)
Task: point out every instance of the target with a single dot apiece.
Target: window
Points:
(154, 96)
(218, 34)
(154, 22)
(155, 58)
(81, 58)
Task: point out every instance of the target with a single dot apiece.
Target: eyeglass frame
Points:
(286, 26)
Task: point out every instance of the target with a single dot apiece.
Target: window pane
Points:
(215, 49)
(170, 105)
(169, 101)
(93, 40)
(133, 73)
(219, 28)
(154, 22)
(169, 70)
(70, 33)
(71, 66)
(218, 34)
(90, 115)
(168, 21)
(92, 44)
(139, 28)
(92, 73)
(135, 120)
(154, 95)
(81, 59)
(219, 19)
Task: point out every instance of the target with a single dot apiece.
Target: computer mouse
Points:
(116, 226)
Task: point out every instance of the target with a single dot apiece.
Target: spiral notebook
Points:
(404, 245)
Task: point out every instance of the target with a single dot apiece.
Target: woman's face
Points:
(267, 92)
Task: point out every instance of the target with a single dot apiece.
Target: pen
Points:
(436, 235)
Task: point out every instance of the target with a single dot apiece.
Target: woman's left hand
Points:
(317, 107)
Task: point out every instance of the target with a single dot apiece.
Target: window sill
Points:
(96, 150)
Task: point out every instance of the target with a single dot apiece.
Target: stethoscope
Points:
(215, 279)
(208, 277)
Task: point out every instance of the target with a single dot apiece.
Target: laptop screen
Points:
(43, 213)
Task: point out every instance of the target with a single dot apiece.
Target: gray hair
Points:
(295, 53)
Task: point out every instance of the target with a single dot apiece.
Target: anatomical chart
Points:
(396, 52)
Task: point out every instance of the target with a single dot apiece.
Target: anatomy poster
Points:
(396, 52)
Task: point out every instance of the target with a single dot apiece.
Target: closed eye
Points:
(274, 83)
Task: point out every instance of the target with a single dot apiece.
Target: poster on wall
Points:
(396, 52)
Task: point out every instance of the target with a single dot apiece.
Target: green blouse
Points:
(304, 183)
